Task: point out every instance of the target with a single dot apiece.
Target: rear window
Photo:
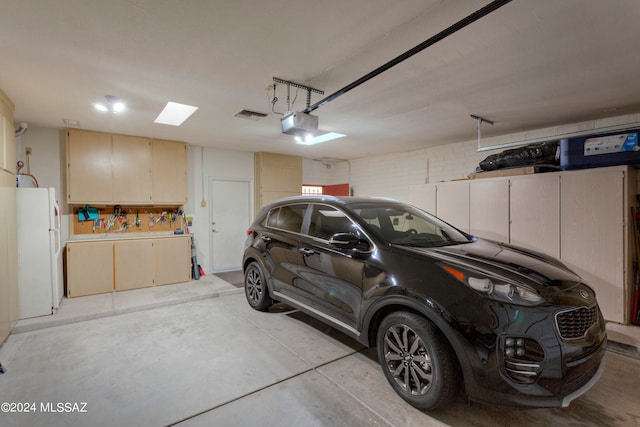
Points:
(287, 218)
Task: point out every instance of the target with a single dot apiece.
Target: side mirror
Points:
(349, 241)
(344, 240)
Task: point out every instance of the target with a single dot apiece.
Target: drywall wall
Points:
(203, 165)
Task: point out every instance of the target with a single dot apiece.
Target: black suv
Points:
(444, 308)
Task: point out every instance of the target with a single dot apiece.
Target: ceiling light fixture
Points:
(112, 104)
(174, 114)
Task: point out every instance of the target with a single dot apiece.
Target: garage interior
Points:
(148, 324)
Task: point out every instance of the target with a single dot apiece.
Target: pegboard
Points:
(129, 219)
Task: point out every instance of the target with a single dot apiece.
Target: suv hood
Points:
(545, 273)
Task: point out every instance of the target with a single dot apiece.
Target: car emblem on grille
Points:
(584, 294)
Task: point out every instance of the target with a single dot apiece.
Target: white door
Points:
(230, 216)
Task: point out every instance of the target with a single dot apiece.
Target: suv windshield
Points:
(405, 225)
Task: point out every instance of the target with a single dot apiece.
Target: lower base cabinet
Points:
(133, 264)
(171, 261)
(101, 267)
(89, 268)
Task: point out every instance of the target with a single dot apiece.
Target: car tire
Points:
(255, 288)
(417, 361)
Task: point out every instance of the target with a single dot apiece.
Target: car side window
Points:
(327, 221)
(287, 218)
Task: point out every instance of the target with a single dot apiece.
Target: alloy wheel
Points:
(407, 359)
(254, 285)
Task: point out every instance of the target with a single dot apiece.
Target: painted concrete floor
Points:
(210, 360)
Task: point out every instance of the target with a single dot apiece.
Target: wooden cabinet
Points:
(7, 143)
(452, 203)
(8, 254)
(172, 260)
(276, 176)
(423, 196)
(131, 169)
(95, 267)
(594, 243)
(120, 169)
(89, 268)
(535, 212)
(169, 171)
(133, 264)
(489, 217)
(8, 224)
(89, 171)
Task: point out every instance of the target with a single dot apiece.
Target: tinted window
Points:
(327, 221)
(287, 217)
(406, 225)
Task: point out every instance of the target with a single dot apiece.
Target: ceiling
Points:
(528, 65)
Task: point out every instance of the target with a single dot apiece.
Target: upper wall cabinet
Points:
(276, 176)
(7, 135)
(89, 171)
(169, 171)
(131, 169)
(112, 169)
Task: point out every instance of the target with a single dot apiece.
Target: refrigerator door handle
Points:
(58, 215)
(56, 230)
(58, 243)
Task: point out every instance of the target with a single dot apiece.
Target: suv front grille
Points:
(573, 324)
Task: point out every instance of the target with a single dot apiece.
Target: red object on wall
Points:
(336, 190)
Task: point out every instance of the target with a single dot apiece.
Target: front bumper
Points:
(529, 364)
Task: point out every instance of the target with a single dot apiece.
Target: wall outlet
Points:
(27, 151)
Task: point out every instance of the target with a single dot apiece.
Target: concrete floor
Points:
(197, 355)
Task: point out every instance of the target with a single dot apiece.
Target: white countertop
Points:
(101, 237)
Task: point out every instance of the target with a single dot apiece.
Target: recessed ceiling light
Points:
(320, 138)
(113, 104)
(175, 114)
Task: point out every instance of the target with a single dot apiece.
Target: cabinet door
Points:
(489, 215)
(452, 204)
(535, 212)
(592, 234)
(89, 268)
(131, 169)
(8, 254)
(89, 172)
(172, 260)
(4, 129)
(169, 160)
(276, 176)
(7, 144)
(423, 196)
(133, 264)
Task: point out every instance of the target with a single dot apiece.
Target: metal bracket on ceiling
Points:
(480, 121)
(299, 86)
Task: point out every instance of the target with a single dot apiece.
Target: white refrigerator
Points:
(40, 281)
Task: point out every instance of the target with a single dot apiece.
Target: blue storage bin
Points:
(609, 149)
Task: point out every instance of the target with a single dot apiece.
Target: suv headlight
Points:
(496, 288)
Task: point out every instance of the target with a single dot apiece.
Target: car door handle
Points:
(306, 251)
(266, 239)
